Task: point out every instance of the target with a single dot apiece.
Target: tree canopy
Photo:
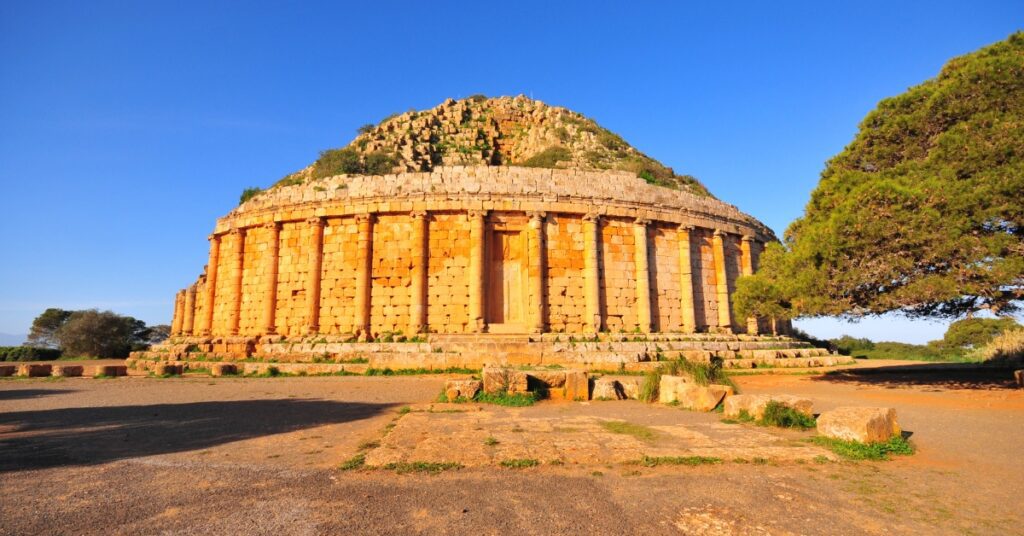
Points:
(93, 333)
(922, 213)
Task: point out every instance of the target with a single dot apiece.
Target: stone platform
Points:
(602, 352)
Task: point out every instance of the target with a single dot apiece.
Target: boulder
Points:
(110, 370)
(223, 369)
(866, 425)
(754, 404)
(167, 369)
(7, 370)
(68, 371)
(501, 380)
(608, 389)
(702, 397)
(464, 389)
(670, 386)
(577, 385)
(34, 371)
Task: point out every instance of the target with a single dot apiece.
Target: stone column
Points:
(206, 327)
(477, 253)
(538, 264)
(418, 274)
(689, 311)
(747, 267)
(722, 283)
(364, 264)
(188, 318)
(643, 276)
(270, 278)
(179, 311)
(237, 269)
(315, 259)
(591, 271)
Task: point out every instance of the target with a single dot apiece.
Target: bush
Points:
(366, 129)
(976, 332)
(379, 163)
(1007, 346)
(248, 194)
(702, 374)
(548, 158)
(28, 353)
(855, 450)
(848, 345)
(337, 162)
(783, 416)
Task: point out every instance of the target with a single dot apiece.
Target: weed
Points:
(654, 461)
(597, 473)
(783, 416)
(520, 463)
(432, 468)
(367, 445)
(404, 410)
(635, 430)
(855, 450)
(355, 462)
(507, 399)
(491, 441)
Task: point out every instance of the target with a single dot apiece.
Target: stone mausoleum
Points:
(453, 261)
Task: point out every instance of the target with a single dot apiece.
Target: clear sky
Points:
(127, 128)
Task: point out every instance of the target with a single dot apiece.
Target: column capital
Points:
(642, 221)
(213, 236)
(592, 217)
(537, 215)
(719, 233)
(747, 238)
(688, 227)
(271, 225)
(418, 214)
(237, 231)
(476, 214)
(364, 218)
(316, 220)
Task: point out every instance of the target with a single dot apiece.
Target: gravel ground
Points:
(261, 456)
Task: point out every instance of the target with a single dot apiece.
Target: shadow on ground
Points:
(17, 394)
(84, 436)
(936, 375)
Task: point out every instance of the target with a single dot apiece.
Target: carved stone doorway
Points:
(507, 282)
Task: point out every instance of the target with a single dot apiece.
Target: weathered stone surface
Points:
(110, 370)
(754, 404)
(462, 389)
(1018, 375)
(863, 424)
(608, 389)
(702, 397)
(167, 369)
(34, 371)
(67, 371)
(550, 379)
(631, 387)
(577, 385)
(670, 387)
(8, 370)
(223, 369)
(500, 380)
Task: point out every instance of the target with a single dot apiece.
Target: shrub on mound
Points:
(28, 353)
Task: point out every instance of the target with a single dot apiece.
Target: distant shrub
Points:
(548, 158)
(337, 162)
(366, 129)
(379, 163)
(479, 97)
(249, 193)
(28, 353)
(848, 345)
(1008, 346)
(976, 332)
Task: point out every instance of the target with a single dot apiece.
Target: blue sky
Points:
(127, 128)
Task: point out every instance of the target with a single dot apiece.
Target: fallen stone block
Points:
(631, 387)
(462, 389)
(167, 369)
(754, 405)
(34, 371)
(670, 386)
(702, 397)
(608, 389)
(867, 425)
(110, 370)
(550, 379)
(68, 371)
(223, 369)
(504, 380)
(577, 385)
(8, 370)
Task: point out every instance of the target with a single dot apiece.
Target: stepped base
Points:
(631, 352)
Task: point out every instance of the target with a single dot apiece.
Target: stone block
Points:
(631, 387)
(464, 389)
(670, 386)
(8, 370)
(608, 389)
(34, 371)
(702, 397)
(1018, 376)
(501, 380)
(577, 385)
(223, 369)
(167, 369)
(867, 425)
(754, 404)
(67, 371)
(110, 370)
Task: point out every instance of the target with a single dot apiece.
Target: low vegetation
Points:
(520, 463)
(855, 450)
(655, 461)
(702, 374)
(432, 468)
(548, 158)
(249, 193)
(28, 353)
(783, 416)
(623, 427)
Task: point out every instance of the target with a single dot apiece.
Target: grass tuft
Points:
(355, 462)
(432, 468)
(783, 416)
(855, 450)
(507, 399)
(520, 463)
(636, 430)
(654, 461)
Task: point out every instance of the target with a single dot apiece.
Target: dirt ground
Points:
(261, 456)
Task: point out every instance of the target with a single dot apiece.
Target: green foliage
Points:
(43, 333)
(910, 352)
(976, 332)
(249, 193)
(848, 345)
(654, 461)
(28, 353)
(337, 162)
(432, 468)
(417, 372)
(478, 97)
(855, 450)
(366, 129)
(379, 163)
(520, 463)
(628, 428)
(507, 399)
(93, 333)
(921, 213)
(355, 462)
(548, 158)
(783, 416)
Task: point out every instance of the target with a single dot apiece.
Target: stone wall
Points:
(327, 261)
